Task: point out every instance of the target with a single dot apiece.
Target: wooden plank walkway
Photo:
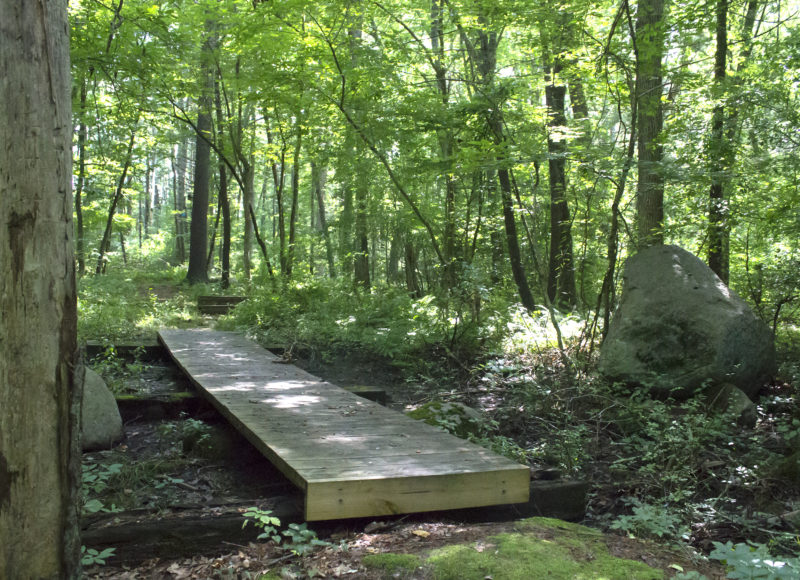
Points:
(350, 456)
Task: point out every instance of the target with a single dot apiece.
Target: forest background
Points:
(451, 187)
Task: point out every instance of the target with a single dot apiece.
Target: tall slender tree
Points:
(198, 229)
(649, 43)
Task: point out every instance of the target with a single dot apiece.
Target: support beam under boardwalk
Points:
(351, 457)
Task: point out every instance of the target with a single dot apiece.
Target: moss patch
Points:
(536, 548)
(574, 552)
(392, 563)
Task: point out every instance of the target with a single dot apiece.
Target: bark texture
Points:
(39, 464)
(561, 275)
(198, 229)
(650, 187)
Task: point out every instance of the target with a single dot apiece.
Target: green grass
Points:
(123, 306)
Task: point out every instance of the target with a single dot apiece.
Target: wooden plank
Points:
(351, 456)
(342, 499)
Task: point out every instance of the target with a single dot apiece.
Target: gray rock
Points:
(101, 424)
(678, 327)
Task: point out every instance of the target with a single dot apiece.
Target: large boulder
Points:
(101, 424)
(678, 327)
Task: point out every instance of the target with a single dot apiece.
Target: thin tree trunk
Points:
(81, 182)
(279, 178)
(412, 281)
(718, 148)
(40, 388)
(260, 241)
(483, 56)
(112, 208)
(446, 145)
(512, 242)
(122, 247)
(295, 198)
(179, 189)
(606, 297)
(248, 199)
(224, 203)
(225, 207)
(319, 175)
(361, 269)
(393, 260)
(148, 175)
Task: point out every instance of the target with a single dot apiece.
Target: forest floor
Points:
(185, 464)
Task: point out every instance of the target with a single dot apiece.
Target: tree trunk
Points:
(483, 55)
(179, 189)
(718, 157)
(224, 203)
(361, 277)
(148, 198)
(123, 249)
(198, 232)
(446, 145)
(724, 134)
(319, 175)
(295, 197)
(248, 199)
(512, 241)
(279, 178)
(105, 243)
(650, 187)
(561, 271)
(346, 220)
(39, 388)
(412, 281)
(81, 182)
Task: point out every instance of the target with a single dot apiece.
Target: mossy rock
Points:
(454, 418)
(537, 548)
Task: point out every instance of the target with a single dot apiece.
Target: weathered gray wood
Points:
(351, 457)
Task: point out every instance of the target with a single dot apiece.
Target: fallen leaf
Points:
(421, 533)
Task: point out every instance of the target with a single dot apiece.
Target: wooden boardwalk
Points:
(350, 456)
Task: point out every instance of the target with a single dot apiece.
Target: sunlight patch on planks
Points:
(351, 457)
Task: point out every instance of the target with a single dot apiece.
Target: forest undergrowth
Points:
(677, 472)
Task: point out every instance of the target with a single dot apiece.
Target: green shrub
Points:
(751, 560)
